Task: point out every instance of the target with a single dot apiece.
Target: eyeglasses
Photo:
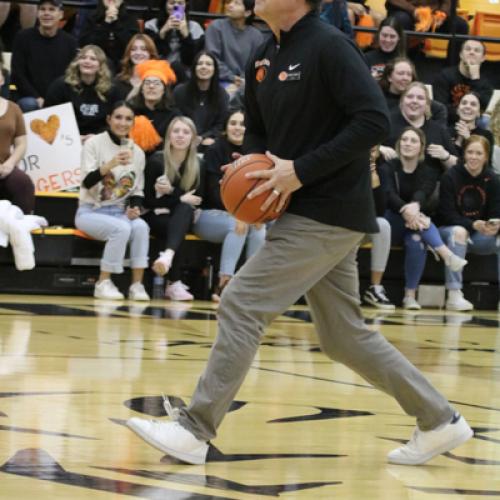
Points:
(152, 83)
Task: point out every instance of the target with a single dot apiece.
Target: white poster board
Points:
(52, 158)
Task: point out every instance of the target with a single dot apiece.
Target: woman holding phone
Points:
(177, 38)
(469, 211)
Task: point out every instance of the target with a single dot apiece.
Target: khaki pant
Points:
(300, 257)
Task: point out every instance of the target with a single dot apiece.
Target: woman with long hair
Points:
(466, 123)
(469, 212)
(110, 27)
(409, 184)
(170, 183)
(153, 103)
(215, 223)
(87, 85)
(203, 99)
(389, 43)
(396, 76)
(111, 197)
(177, 38)
(415, 111)
(140, 48)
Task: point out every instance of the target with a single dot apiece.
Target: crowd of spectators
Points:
(160, 110)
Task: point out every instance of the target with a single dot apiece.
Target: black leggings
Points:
(171, 230)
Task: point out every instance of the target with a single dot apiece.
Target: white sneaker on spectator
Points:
(411, 303)
(171, 438)
(137, 292)
(106, 289)
(455, 263)
(425, 445)
(457, 302)
(178, 291)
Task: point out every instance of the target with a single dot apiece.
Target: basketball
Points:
(235, 188)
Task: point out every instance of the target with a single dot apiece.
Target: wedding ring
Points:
(276, 192)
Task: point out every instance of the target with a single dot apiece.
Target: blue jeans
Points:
(219, 226)
(478, 244)
(415, 243)
(28, 104)
(110, 224)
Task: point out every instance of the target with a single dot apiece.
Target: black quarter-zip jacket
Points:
(312, 100)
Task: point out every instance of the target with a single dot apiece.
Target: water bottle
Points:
(158, 287)
(208, 278)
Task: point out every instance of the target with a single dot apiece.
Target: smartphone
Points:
(493, 222)
(178, 12)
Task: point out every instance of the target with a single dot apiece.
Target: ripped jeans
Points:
(478, 243)
(415, 244)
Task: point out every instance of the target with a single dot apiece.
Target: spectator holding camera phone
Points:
(177, 38)
(469, 212)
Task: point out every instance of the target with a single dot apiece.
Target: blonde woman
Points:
(171, 180)
(87, 85)
(415, 111)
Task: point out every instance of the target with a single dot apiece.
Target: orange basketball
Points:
(235, 188)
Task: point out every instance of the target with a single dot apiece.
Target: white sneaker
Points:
(425, 445)
(171, 438)
(411, 303)
(106, 289)
(455, 263)
(137, 292)
(458, 303)
(178, 291)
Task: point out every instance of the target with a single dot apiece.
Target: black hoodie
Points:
(464, 199)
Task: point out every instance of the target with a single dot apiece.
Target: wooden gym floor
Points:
(72, 370)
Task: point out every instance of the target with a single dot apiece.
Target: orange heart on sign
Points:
(46, 130)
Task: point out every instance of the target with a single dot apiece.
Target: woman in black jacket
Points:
(469, 212)
(409, 184)
(87, 85)
(203, 99)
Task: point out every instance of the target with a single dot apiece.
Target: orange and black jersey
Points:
(312, 100)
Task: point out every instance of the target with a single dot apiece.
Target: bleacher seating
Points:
(68, 262)
(488, 24)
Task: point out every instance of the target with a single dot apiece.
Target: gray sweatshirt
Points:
(231, 46)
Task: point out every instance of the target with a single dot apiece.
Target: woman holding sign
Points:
(15, 185)
(111, 197)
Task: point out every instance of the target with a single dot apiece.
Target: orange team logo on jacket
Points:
(260, 74)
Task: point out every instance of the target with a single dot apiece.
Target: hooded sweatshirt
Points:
(464, 199)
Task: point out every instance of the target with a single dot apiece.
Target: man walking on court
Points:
(309, 97)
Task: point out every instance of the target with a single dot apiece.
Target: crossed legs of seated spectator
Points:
(218, 226)
(416, 243)
(111, 225)
(460, 242)
(171, 229)
(18, 188)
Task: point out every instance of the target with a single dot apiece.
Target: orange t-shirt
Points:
(11, 126)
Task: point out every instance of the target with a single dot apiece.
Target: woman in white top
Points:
(111, 196)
